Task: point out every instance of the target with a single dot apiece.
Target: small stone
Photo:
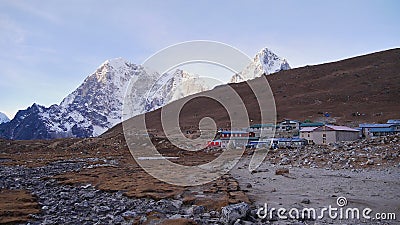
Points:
(285, 161)
(178, 216)
(231, 213)
(305, 201)
(281, 171)
(102, 209)
(249, 185)
(237, 222)
(207, 215)
(195, 210)
(89, 195)
(198, 209)
(118, 219)
(370, 162)
(214, 213)
(129, 214)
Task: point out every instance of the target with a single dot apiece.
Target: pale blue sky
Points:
(49, 47)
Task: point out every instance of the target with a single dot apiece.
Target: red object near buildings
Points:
(214, 143)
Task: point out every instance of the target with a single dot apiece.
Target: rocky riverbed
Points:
(85, 204)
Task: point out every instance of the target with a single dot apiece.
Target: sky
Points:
(47, 48)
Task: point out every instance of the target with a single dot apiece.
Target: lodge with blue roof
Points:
(262, 135)
(380, 129)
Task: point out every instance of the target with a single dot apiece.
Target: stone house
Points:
(329, 134)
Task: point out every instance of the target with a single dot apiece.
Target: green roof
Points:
(311, 124)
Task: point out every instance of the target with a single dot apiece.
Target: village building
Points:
(294, 142)
(259, 144)
(393, 122)
(380, 129)
(235, 139)
(214, 143)
(288, 129)
(327, 134)
(263, 130)
(288, 125)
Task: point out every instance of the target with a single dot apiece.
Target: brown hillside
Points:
(352, 91)
(367, 84)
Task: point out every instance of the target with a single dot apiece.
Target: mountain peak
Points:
(3, 118)
(264, 62)
(265, 50)
(112, 70)
(116, 62)
(267, 55)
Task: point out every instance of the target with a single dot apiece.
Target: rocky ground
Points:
(86, 204)
(96, 181)
(361, 154)
(293, 187)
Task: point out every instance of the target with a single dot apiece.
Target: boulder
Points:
(231, 213)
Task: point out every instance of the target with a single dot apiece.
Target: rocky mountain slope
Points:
(96, 105)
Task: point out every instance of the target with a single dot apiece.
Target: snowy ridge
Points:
(173, 86)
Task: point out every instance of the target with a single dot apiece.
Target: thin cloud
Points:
(11, 31)
(35, 10)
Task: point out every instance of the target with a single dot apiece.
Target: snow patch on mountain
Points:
(3, 118)
(173, 86)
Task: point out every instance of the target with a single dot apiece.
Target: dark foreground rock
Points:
(85, 204)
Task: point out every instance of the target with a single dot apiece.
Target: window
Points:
(308, 135)
(324, 135)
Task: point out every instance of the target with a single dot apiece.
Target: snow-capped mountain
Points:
(265, 62)
(3, 118)
(97, 104)
(91, 109)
